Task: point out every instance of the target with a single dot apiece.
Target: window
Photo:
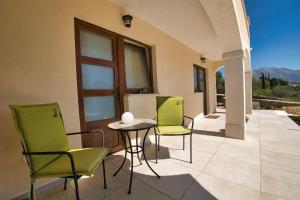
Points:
(138, 71)
(199, 79)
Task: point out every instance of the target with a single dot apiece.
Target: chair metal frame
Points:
(157, 138)
(74, 173)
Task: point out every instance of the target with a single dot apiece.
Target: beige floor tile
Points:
(251, 140)
(290, 136)
(140, 191)
(199, 159)
(273, 123)
(265, 196)
(175, 179)
(208, 187)
(280, 183)
(246, 154)
(253, 126)
(214, 136)
(206, 146)
(176, 143)
(162, 154)
(286, 162)
(243, 173)
(57, 194)
(182, 157)
(138, 168)
(92, 187)
(280, 147)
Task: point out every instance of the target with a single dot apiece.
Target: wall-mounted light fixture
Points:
(203, 59)
(127, 20)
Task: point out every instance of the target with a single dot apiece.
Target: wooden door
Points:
(204, 92)
(200, 84)
(99, 96)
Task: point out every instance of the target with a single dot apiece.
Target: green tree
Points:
(220, 83)
(263, 81)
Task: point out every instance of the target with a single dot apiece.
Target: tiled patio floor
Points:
(266, 165)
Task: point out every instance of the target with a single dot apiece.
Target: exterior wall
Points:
(37, 64)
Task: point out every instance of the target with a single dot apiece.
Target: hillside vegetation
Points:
(275, 88)
(291, 75)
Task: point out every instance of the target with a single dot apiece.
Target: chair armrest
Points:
(54, 153)
(192, 121)
(90, 132)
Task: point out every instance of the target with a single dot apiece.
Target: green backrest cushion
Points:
(41, 128)
(169, 111)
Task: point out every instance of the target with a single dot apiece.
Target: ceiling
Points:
(185, 20)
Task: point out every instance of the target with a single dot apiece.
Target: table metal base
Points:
(134, 149)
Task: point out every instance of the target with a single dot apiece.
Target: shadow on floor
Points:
(169, 185)
(162, 154)
(145, 184)
(220, 133)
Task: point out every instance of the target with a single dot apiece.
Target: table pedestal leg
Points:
(125, 157)
(137, 149)
(130, 150)
(131, 167)
(145, 154)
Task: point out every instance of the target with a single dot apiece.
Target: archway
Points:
(220, 88)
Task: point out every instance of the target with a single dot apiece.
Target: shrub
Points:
(262, 92)
(282, 91)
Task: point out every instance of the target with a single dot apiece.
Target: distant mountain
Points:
(283, 73)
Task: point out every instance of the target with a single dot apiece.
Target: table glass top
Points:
(137, 124)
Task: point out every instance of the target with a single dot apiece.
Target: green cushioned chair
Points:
(170, 120)
(46, 148)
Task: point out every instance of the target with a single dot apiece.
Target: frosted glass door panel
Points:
(136, 67)
(201, 74)
(99, 108)
(195, 78)
(97, 77)
(95, 46)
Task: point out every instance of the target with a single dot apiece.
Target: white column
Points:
(235, 94)
(248, 89)
(211, 90)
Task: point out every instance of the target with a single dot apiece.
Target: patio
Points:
(87, 58)
(266, 165)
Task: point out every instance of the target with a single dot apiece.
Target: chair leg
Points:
(158, 142)
(65, 185)
(183, 142)
(76, 187)
(191, 142)
(155, 147)
(104, 175)
(32, 195)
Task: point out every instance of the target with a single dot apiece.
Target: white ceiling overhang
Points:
(209, 27)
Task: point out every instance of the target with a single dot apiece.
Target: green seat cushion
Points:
(169, 111)
(86, 161)
(172, 130)
(41, 128)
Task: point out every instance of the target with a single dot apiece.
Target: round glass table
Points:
(135, 126)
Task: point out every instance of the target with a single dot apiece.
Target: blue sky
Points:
(275, 33)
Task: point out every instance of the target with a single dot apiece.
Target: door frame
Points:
(119, 59)
(82, 25)
(204, 91)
